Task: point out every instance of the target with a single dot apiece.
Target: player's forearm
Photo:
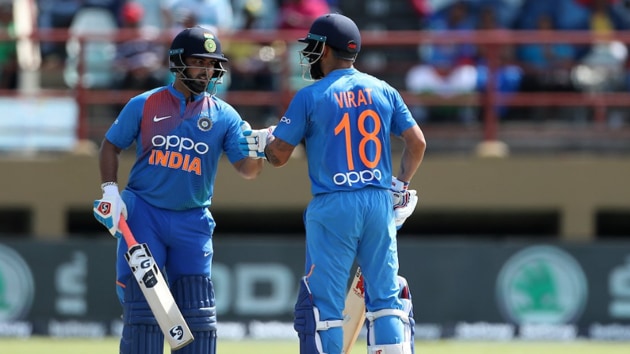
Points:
(408, 167)
(413, 154)
(250, 168)
(278, 152)
(409, 164)
(109, 161)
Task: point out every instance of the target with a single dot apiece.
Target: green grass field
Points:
(38, 345)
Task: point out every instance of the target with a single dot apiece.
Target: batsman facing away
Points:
(180, 132)
(346, 118)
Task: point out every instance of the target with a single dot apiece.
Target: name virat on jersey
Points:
(173, 152)
(349, 99)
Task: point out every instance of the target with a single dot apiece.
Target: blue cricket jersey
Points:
(178, 146)
(346, 119)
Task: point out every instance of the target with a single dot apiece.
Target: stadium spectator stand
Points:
(392, 32)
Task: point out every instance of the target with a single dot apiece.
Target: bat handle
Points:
(126, 232)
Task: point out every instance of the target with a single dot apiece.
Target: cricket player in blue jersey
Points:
(180, 132)
(346, 118)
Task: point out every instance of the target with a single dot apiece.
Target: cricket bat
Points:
(354, 312)
(155, 290)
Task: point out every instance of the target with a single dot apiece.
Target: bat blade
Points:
(354, 312)
(156, 291)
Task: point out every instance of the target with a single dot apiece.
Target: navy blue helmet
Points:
(196, 42)
(338, 32)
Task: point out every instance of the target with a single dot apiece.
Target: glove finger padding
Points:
(253, 142)
(401, 213)
(399, 193)
(246, 143)
(400, 199)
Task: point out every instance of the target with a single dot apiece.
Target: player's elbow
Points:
(419, 147)
(277, 163)
(279, 152)
(415, 142)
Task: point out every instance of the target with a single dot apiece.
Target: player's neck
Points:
(184, 90)
(339, 66)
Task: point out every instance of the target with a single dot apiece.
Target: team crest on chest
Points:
(204, 124)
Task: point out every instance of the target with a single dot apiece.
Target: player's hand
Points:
(108, 209)
(403, 200)
(253, 142)
(403, 212)
(399, 192)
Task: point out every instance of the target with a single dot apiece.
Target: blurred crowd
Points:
(444, 70)
(141, 61)
(460, 69)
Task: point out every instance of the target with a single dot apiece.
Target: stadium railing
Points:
(490, 129)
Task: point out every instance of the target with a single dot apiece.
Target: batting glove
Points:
(404, 201)
(253, 142)
(399, 192)
(108, 209)
(402, 213)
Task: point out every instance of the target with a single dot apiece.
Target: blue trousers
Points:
(180, 241)
(343, 227)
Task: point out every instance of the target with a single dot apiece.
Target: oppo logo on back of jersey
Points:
(352, 177)
(174, 142)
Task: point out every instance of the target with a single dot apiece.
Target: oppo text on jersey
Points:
(352, 177)
(173, 156)
(174, 142)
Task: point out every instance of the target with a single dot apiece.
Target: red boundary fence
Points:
(492, 39)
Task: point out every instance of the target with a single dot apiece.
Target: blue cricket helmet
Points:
(196, 42)
(338, 32)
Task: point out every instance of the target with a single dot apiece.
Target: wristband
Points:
(398, 185)
(108, 184)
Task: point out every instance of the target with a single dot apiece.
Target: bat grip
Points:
(126, 232)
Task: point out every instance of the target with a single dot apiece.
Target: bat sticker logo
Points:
(146, 264)
(176, 332)
(149, 279)
(142, 264)
(139, 257)
(359, 289)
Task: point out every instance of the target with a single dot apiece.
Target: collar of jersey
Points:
(341, 72)
(180, 95)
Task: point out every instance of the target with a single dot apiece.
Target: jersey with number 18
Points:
(346, 120)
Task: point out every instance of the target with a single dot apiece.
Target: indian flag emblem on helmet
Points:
(210, 45)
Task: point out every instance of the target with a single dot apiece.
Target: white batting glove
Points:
(253, 142)
(399, 192)
(403, 200)
(107, 210)
(402, 213)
